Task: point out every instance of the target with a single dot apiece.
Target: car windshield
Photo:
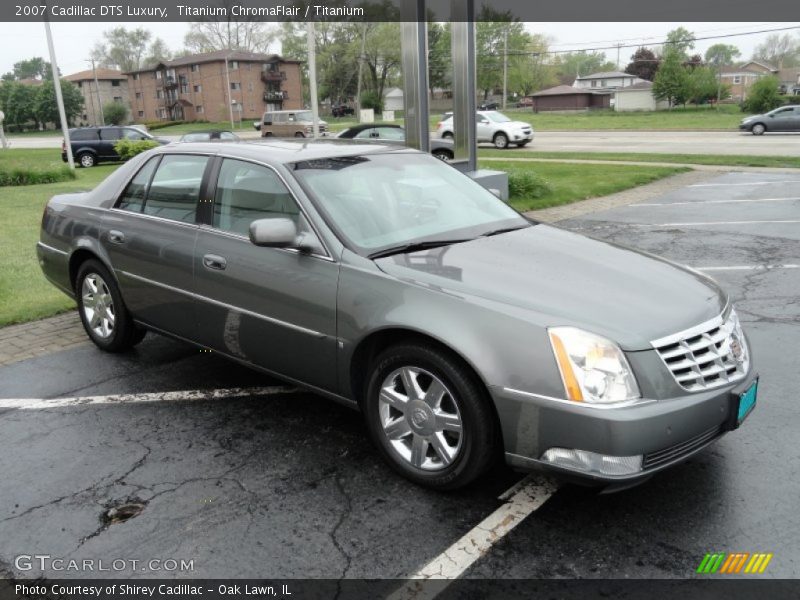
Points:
(303, 115)
(497, 117)
(380, 201)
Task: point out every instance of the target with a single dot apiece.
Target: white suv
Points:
(494, 127)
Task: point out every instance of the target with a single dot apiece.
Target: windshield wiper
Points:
(415, 246)
(503, 230)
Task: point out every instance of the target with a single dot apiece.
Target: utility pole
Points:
(619, 45)
(505, 66)
(59, 97)
(99, 103)
(230, 96)
(312, 76)
(361, 69)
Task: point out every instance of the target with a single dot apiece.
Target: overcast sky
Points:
(74, 40)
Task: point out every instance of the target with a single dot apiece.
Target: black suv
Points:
(91, 145)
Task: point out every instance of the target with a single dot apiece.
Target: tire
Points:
(114, 329)
(267, 134)
(426, 445)
(758, 129)
(500, 141)
(299, 135)
(447, 135)
(444, 155)
(522, 144)
(87, 159)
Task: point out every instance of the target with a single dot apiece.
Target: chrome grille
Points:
(710, 355)
(660, 457)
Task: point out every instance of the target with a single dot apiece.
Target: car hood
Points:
(561, 278)
(520, 125)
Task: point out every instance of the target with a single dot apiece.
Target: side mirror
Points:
(280, 233)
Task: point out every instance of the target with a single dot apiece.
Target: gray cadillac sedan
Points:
(383, 278)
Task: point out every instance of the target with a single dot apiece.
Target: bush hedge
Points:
(161, 124)
(526, 185)
(127, 149)
(29, 176)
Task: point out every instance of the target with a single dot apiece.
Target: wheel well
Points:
(76, 260)
(764, 125)
(503, 133)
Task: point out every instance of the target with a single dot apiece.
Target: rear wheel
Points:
(87, 159)
(444, 155)
(500, 141)
(299, 135)
(447, 135)
(103, 314)
(429, 416)
(758, 129)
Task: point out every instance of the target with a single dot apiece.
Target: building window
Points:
(250, 86)
(79, 84)
(602, 83)
(184, 88)
(158, 74)
(198, 89)
(162, 113)
(195, 68)
(199, 109)
(594, 83)
(235, 85)
(141, 113)
(136, 77)
(118, 99)
(138, 95)
(234, 64)
(115, 83)
(737, 79)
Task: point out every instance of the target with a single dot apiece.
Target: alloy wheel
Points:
(98, 306)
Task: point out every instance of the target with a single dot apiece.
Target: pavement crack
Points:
(334, 531)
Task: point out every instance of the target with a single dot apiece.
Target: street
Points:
(134, 457)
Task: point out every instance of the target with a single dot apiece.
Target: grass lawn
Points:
(736, 160)
(25, 294)
(44, 158)
(573, 182)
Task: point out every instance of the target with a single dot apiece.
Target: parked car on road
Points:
(290, 123)
(214, 135)
(440, 148)
(525, 102)
(494, 127)
(92, 145)
(382, 278)
(342, 110)
(489, 106)
(785, 118)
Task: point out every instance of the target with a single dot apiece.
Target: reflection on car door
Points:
(272, 307)
(483, 129)
(150, 236)
(108, 137)
(782, 120)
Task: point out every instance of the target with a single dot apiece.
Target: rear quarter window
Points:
(84, 135)
(132, 198)
(175, 188)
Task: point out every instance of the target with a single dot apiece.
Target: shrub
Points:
(29, 176)
(372, 100)
(115, 113)
(525, 185)
(129, 148)
(763, 96)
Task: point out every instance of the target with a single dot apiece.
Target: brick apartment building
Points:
(112, 86)
(196, 87)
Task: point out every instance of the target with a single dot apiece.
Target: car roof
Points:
(284, 151)
(363, 126)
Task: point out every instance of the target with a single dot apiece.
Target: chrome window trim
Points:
(154, 217)
(606, 406)
(311, 332)
(236, 236)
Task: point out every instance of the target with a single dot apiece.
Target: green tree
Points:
(127, 49)
(494, 32)
(115, 113)
(46, 107)
(529, 72)
(681, 40)
(779, 50)
(32, 68)
(440, 67)
(763, 96)
(17, 101)
(703, 86)
(569, 65)
(672, 80)
(718, 56)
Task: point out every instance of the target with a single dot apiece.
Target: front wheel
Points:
(500, 141)
(299, 135)
(87, 159)
(758, 129)
(430, 417)
(103, 314)
(444, 155)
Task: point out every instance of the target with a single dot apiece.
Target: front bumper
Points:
(665, 432)
(745, 126)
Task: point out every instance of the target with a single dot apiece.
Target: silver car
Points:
(385, 279)
(494, 127)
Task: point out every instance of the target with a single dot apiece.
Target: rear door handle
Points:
(117, 237)
(212, 261)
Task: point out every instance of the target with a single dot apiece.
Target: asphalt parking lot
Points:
(281, 483)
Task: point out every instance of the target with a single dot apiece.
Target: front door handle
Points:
(212, 261)
(116, 237)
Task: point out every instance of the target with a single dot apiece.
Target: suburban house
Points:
(393, 99)
(740, 78)
(638, 96)
(568, 98)
(606, 81)
(99, 87)
(206, 87)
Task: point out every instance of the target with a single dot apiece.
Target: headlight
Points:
(593, 369)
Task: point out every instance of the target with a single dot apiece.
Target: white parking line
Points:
(748, 268)
(704, 202)
(521, 500)
(697, 223)
(191, 395)
(738, 184)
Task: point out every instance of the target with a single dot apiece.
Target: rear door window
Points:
(175, 188)
(132, 198)
(83, 135)
(110, 133)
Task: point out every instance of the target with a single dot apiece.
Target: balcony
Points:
(270, 76)
(275, 96)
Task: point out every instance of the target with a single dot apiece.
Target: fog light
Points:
(591, 462)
